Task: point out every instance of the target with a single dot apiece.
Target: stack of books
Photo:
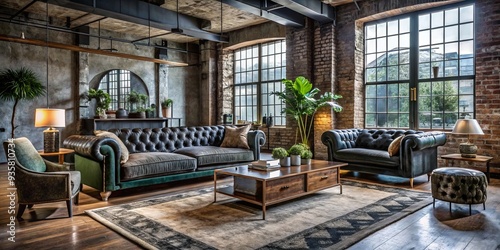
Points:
(266, 164)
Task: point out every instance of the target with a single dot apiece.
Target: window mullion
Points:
(414, 66)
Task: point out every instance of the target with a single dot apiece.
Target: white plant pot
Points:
(305, 161)
(295, 160)
(285, 162)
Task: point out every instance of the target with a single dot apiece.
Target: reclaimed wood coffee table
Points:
(265, 188)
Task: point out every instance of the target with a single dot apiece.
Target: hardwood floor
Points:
(46, 226)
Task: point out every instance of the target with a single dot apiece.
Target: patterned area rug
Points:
(323, 220)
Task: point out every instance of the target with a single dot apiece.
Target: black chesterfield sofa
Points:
(157, 155)
(366, 150)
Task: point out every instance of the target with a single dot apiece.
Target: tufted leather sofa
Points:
(157, 155)
(366, 151)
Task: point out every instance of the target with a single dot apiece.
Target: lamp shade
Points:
(467, 126)
(50, 118)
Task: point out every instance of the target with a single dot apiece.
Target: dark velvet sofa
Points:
(157, 155)
(366, 150)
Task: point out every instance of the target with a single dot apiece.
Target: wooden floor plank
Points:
(47, 226)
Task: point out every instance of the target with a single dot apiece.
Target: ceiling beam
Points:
(282, 16)
(314, 9)
(88, 50)
(143, 13)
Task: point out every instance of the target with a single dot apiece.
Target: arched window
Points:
(118, 83)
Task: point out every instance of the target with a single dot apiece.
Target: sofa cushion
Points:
(236, 137)
(124, 151)
(208, 155)
(395, 145)
(367, 156)
(141, 165)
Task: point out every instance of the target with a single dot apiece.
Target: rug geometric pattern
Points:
(337, 233)
(328, 234)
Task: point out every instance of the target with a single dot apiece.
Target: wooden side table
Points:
(479, 158)
(61, 153)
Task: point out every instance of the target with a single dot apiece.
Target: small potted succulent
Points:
(295, 152)
(282, 155)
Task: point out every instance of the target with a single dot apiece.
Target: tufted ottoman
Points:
(459, 185)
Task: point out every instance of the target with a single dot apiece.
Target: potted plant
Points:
(305, 157)
(103, 101)
(295, 151)
(301, 104)
(166, 107)
(18, 85)
(137, 103)
(282, 155)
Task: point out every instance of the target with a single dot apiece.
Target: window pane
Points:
(451, 17)
(404, 25)
(467, 14)
(381, 29)
(424, 22)
(451, 33)
(392, 27)
(437, 19)
(466, 31)
(437, 35)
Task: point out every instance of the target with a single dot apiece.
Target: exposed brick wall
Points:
(349, 72)
(323, 78)
(487, 86)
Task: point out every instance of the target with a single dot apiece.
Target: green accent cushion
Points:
(141, 165)
(208, 155)
(27, 155)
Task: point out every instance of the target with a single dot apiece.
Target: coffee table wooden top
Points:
(248, 172)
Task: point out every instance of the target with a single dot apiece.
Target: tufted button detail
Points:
(459, 185)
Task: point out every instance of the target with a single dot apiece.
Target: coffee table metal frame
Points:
(282, 184)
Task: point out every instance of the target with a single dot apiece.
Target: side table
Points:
(60, 154)
(479, 158)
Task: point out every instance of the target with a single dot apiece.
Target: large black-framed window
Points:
(419, 69)
(258, 71)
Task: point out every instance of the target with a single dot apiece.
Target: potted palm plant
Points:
(301, 104)
(17, 85)
(166, 107)
(282, 155)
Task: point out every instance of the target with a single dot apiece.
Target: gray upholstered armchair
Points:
(38, 180)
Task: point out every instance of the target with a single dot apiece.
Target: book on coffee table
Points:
(267, 168)
(266, 163)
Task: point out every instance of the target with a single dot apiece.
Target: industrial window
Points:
(117, 84)
(419, 69)
(258, 71)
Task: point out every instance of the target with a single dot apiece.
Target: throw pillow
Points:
(123, 148)
(395, 145)
(236, 137)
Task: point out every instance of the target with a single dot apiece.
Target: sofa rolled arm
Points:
(424, 140)
(337, 139)
(256, 139)
(90, 146)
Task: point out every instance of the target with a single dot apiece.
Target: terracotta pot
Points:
(166, 112)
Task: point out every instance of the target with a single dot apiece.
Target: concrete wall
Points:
(61, 77)
(71, 72)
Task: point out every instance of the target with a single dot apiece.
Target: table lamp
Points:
(467, 127)
(45, 117)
